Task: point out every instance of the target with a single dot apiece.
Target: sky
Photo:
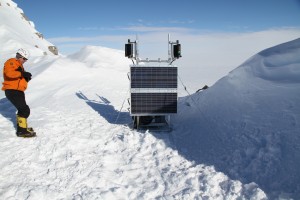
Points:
(213, 34)
(72, 24)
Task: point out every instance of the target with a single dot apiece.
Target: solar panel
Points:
(153, 103)
(153, 77)
(153, 90)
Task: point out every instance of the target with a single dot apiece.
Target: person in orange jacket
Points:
(14, 85)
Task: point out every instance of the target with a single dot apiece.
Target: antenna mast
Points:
(174, 52)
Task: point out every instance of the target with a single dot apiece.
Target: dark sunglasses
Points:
(24, 58)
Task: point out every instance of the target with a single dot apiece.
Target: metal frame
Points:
(170, 59)
(161, 121)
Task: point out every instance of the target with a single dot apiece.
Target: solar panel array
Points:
(153, 90)
(154, 77)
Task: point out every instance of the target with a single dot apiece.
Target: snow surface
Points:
(237, 140)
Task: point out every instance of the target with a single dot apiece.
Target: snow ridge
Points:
(247, 124)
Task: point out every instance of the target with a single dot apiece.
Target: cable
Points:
(122, 106)
(125, 95)
(184, 86)
(212, 128)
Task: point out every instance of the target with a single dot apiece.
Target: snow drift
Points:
(247, 124)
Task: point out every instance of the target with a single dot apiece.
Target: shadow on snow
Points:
(106, 110)
(204, 141)
(7, 110)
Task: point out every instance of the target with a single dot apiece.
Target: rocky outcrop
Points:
(53, 49)
(40, 35)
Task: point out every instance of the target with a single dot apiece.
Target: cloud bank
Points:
(204, 52)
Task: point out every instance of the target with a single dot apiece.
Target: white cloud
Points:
(206, 53)
(179, 21)
(93, 28)
(155, 29)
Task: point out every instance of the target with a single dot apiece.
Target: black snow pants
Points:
(17, 98)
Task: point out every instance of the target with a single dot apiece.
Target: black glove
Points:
(27, 76)
(19, 69)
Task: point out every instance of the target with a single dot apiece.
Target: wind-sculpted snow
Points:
(280, 63)
(247, 124)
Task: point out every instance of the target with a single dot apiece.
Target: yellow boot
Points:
(22, 129)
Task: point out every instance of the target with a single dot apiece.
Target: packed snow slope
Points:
(248, 124)
(85, 149)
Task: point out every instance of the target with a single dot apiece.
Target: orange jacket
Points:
(12, 78)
